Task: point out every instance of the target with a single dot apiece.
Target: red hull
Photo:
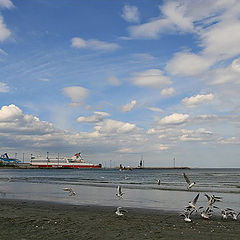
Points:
(68, 166)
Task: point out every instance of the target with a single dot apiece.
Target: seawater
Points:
(98, 186)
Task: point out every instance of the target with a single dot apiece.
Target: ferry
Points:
(75, 161)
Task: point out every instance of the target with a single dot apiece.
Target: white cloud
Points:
(130, 13)
(10, 113)
(155, 109)
(6, 4)
(77, 42)
(129, 106)
(175, 119)
(4, 31)
(176, 13)
(174, 19)
(4, 87)
(198, 99)
(114, 81)
(151, 78)
(77, 94)
(150, 29)
(97, 117)
(200, 134)
(188, 64)
(236, 65)
(168, 92)
(109, 126)
(229, 74)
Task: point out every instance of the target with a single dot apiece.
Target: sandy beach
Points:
(43, 220)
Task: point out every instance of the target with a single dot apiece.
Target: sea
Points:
(140, 188)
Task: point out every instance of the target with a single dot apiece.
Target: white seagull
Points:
(120, 211)
(232, 213)
(190, 184)
(192, 204)
(187, 215)
(212, 199)
(158, 182)
(206, 214)
(119, 192)
(70, 190)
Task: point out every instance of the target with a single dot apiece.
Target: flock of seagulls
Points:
(205, 213)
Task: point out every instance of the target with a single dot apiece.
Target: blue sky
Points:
(120, 79)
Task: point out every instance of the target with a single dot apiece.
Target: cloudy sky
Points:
(118, 80)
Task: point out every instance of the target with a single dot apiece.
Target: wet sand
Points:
(26, 220)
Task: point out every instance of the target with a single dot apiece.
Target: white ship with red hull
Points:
(62, 162)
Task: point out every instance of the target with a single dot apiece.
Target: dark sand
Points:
(42, 220)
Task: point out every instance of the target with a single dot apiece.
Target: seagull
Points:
(119, 192)
(232, 213)
(158, 182)
(212, 199)
(187, 215)
(70, 190)
(120, 211)
(192, 204)
(190, 184)
(206, 214)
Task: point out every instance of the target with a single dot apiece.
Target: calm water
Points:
(98, 186)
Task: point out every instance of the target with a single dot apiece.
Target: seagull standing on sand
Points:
(192, 204)
(190, 184)
(119, 192)
(120, 211)
(70, 190)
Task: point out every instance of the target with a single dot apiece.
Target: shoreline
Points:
(27, 219)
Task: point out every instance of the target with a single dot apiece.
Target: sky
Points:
(122, 80)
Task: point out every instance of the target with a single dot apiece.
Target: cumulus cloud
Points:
(198, 99)
(130, 13)
(4, 87)
(97, 117)
(168, 92)
(76, 93)
(109, 126)
(174, 119)
(151, 78)
(129, 106)
(94, 44)
(10, 113)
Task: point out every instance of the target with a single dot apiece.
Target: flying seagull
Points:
(192, 204)
(190, 184)
(70, 191)
(120, 211)
(119, 192)
(212, 199)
